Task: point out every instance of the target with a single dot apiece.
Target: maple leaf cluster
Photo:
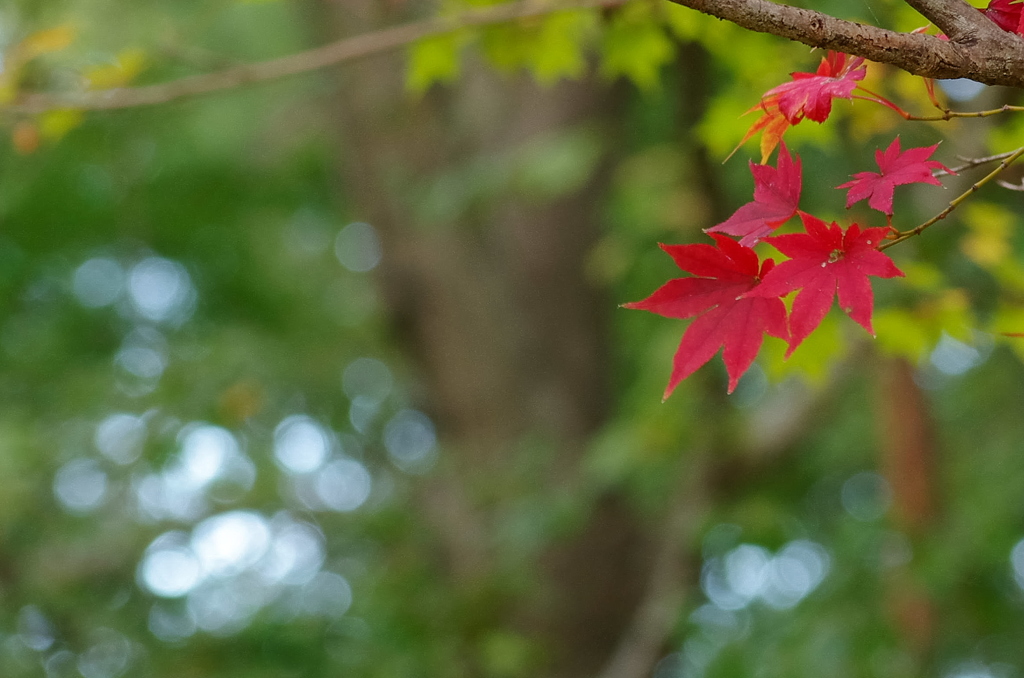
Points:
(734, 297)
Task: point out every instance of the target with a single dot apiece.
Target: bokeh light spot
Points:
(750, 572)
(205, 450)
(160, 289)
(229, 543)
(120, 437)
(80, 485)
(343, 485)
(358, 247)
(1017, 562)
(361, 413)
(296, 553)
(328, 595)
(34, 629)
(170, 625)
(98, 282)
(953, 357)
(169, 571)
(301, 445)
(225, 606)
(796, 570)
(108, 657)
(411, 441)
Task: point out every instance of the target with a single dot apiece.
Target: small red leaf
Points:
(826, 261)
(810, 95)
(724, 316)
(776, 195)
(897, 168)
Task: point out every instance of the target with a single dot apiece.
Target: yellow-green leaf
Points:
(635, 46)
(434, 60)
(44, 42)
(121, 72)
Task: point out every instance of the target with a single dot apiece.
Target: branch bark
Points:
(977, 49)
(955, 18)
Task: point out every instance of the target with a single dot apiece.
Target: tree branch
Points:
(955, 18)
(983, 53)
(333, 53)
(977, 49)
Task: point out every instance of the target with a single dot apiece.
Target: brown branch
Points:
(981, 50)
(985, 53)
(957, 19)
(337, 52)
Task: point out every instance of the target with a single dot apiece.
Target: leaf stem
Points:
(879, 99)
(953, 204)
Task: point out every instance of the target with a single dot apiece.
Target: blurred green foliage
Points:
(171, 278)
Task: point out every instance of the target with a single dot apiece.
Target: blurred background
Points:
(327, 376)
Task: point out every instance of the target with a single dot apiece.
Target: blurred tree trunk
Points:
(907, 444)
(492, 303)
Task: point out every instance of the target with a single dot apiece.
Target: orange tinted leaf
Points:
(25, 138)
(44, 42)
(772, 124)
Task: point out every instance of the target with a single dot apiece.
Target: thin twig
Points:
(905, 235)
(945, 115)
(950, 115)
(1012, 187)
(970, 163)
(333, 53)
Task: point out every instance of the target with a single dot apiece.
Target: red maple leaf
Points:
(809, 95)
(776, 194)
(724, 317)
(826, 261)
(1007, 14)
(897, 168)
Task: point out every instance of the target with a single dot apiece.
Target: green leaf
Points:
(434, 60)
(635, 46)
(552, 48)
(902, 334)
(558, 164)
(557, 49)
(813, 360)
